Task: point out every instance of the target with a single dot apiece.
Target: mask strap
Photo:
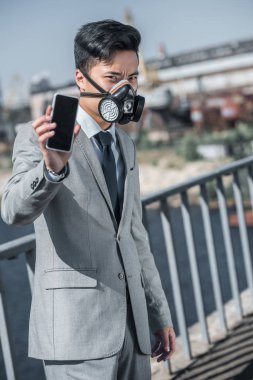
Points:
(100, 89)
(93, 94)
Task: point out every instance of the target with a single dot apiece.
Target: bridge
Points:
(200, 235)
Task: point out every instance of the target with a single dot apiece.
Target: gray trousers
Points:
(127, 364)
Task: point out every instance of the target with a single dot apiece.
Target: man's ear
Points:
(80, 80)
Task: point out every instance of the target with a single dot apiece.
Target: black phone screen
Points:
(64, 115)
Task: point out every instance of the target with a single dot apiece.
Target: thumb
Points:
(166, 341)
(76, 130)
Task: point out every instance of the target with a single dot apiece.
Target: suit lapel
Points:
(89, 153)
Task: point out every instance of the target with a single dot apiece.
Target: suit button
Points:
(118, 238)
(121, 276)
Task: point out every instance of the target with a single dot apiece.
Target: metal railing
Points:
(8, 251)
(161, 202)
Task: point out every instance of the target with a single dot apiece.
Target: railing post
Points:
(5, 343)
(243, 233)
(228, 246)
(175, 281)
(194, 266)
(212, 256)
(250, 184)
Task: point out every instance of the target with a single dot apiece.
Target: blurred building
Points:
(42, 95)
(217, 81)
(14, 109)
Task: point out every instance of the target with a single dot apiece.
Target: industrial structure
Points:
(209, 88)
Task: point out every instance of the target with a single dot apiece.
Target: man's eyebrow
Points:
(118, 74)
(112, 73)
(135, 73)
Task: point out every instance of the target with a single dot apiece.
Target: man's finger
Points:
(45, 128)
(41, 120)
(43, 138)
(156, 348)
(164, 356)
(157, 344)
(48, 110)
(76, 130)
(166, 341)
(158, 351)
(172, 342)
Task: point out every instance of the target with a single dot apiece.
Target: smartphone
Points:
(64, 115)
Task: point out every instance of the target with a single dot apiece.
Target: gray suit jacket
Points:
(78, 306)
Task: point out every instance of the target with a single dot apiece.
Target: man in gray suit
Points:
(97, 290)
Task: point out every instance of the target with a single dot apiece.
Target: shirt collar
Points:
(90, 126)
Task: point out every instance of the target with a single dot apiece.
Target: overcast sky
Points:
(37, 35)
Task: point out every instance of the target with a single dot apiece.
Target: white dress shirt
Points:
(91, 128)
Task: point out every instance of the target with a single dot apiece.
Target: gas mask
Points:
(120, 104)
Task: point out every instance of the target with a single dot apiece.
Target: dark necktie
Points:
(109, 169)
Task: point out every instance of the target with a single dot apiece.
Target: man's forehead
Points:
(121, 63)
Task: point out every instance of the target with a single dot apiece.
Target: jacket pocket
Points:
(69, 278)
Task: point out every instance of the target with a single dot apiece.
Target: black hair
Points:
(98, 41)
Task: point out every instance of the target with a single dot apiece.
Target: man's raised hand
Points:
(54, 160)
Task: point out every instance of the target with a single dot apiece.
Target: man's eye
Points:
(112, 78)
(134, 78)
